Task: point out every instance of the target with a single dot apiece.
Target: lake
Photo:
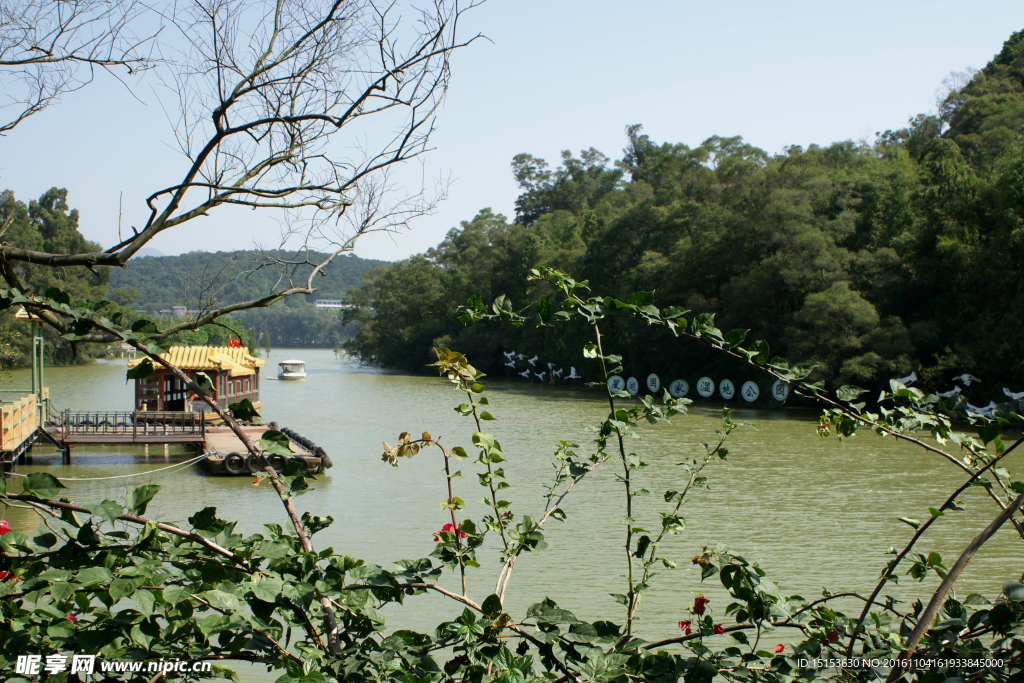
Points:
(812, 512)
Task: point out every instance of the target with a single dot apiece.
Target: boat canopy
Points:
(292, 362)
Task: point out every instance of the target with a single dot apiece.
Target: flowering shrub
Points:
(449, 529)
(700, 604)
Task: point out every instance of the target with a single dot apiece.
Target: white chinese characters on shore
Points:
(749, 392)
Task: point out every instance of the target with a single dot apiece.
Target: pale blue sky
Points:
(563, 75)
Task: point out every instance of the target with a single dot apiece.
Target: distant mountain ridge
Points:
(231, 277)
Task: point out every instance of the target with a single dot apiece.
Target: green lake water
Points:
(814, 513)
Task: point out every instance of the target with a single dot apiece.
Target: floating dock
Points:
(228, 454)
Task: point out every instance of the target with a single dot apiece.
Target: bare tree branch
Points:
(51, 47)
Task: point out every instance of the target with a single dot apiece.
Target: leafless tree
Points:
(51, 47)
(949, 96)
(301, 106)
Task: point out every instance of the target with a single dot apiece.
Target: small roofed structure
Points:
(234, 373)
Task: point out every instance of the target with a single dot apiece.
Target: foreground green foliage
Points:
(866, 261)
(103, 579)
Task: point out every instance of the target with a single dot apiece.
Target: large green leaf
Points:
(42, 485)
(544, 309)
(109, 510)
(214, 623)
(140, 371)
(203, 519)
(175, 594)
(275, 442)
(848, 392)
(243, 410)
(145, 326)
(267, 589)
(145, 601)
(93, 576)
(120, 588)
(138, 499)
(221, 600)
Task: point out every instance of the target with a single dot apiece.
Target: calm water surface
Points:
(814, 513)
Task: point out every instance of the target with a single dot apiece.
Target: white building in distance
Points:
(331, 303)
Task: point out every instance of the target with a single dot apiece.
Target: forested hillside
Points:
(870, 261)
(46, 224)
(190, 279)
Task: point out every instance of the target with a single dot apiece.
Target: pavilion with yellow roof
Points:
(234, 373)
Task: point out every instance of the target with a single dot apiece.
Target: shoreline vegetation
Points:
(869, 261)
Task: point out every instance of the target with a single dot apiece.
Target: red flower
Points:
(449, 527)
(3, 576)
(73, 618)
(686, 626)
(4, 527)
(719, 629)
(780, 649)
(699, 603)
(832, 637)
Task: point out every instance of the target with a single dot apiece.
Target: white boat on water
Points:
(292, 369)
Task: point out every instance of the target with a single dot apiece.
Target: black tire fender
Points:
(252, 463)
(234, 463)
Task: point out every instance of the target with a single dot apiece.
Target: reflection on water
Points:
(814, 513)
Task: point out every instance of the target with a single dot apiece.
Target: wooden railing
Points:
(19, 420)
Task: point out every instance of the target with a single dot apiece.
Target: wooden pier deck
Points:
(25, 423)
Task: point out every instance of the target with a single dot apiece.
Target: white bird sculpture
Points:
(551, 366)
(533, 361)
(521, 356)
(967, 379)
(988, 411)
(510, 354)
(908, 380)
(511, 365)
(952, 392)
(540, 375)
(524, 373)
(1013, 396)
(572, 373)
(558, 373)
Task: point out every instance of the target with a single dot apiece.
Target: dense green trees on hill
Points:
(190, 279)
(870, 261)
(46, 225)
